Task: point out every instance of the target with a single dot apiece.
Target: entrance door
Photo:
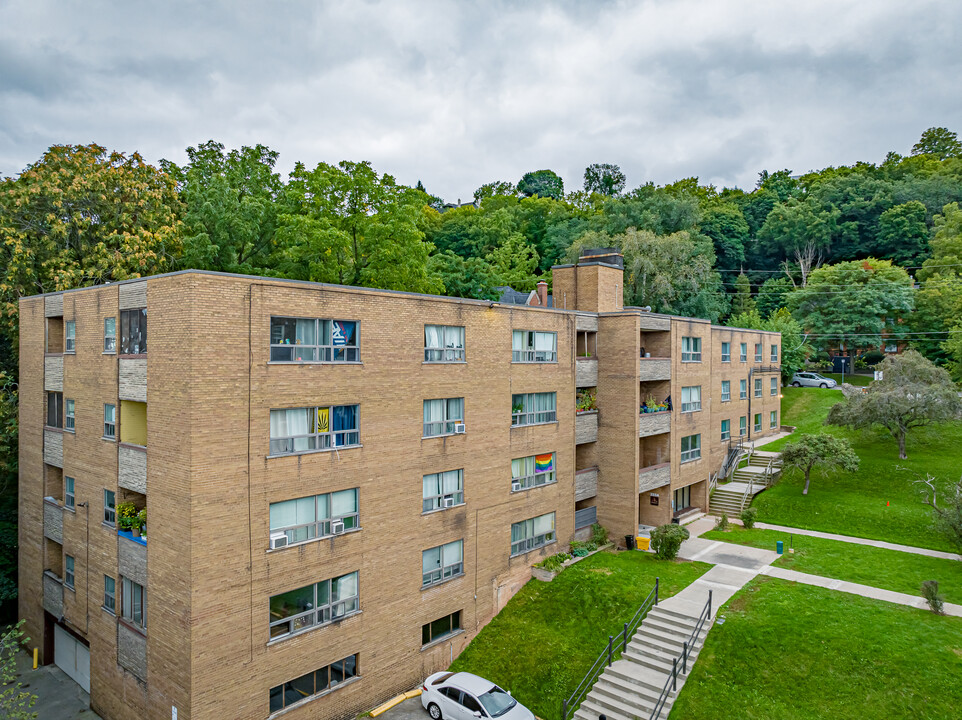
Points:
(682, 498)
(71, 656)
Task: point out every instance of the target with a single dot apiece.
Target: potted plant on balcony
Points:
(586, 401)
(126, 515)
(140, 523)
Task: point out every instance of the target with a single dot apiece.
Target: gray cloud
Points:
(457, 94)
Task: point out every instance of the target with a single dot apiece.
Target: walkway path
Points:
(861, 541)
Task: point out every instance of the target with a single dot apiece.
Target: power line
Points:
(782, 271)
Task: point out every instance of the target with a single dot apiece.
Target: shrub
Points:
(580, 548)
(722, 522)
(126, 515)
(553, 562)
(873, 358)
(749, 516)
(667, 539)
(599, 536)
(930, 591)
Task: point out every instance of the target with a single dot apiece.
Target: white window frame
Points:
(450, 485)
(69, 571)
(726, 390)
(446, 568)
(726, 429)
(70, 337)
(451, 348)
(758, 352)
(691, 398)
(774, 382)
(110, 507)
(339, 605)
(527, 539)
(323, 514)
(110, 336)
(774, 353)
(743, 389)
(530, 414)
(691, 448)
(317, 351)
(691, 349)
(110, 421)
(523, 472)
(773, 419)
(758, 387)
(69, 492)
(532, 346)
(743, 352)
(726, 352)
(451, 415)
(110, 595)
(315, 439)
(131, 610)
(742, 426)
(69, 415)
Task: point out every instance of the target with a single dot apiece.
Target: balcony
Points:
(53, 447)
(586, 427)
(52, 594)
(657, 323)
(654, 476)
(654, 423)
(586, 483)
(53, 373)
(52, 520)
(654, 368)
(132, 557)
(132, 468)
(586, 372)
(132, 379)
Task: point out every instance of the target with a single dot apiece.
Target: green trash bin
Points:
(779, 548)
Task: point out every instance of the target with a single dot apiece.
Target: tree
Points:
(772, 295)
(794, 349)
(938, 141)
(15, 702)
(514, 263)
(604, 179)
(913, 392)
(9, 463)
(495, 189)
(725, 224)
(471, 278)
(795, 225)
(948, 513)
(666, 540)
(903, 235)
(742, 301)
(543, 183)
(823, 451)
(938, 302)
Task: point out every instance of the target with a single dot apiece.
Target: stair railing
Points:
(671, 683)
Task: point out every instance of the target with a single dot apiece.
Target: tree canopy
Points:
(938, 141)
(543, 183)
(823, 451)
(604, 179)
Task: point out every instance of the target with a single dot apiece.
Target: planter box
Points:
(549, 575)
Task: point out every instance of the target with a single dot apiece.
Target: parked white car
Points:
(463, 696)
(810, 379)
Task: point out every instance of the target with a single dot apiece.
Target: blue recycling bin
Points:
(779, 548)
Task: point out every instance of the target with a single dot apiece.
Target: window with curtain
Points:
(742, 425)
(306, 518)
(441, 563)
(773, 419)
(533, 408)
(295, 430)
(110, 594)
(299, 340)
(743, 352)
(133, 332)
(133, 602)
(110, 421)
(297, 610)
(69, 497)
(758, 352)
(68, 571)
(530, 534)
(691, 398)
(726, 391)
(443, 343)
(110, 335)
(443, 489)
(691, 349)
(690, 448)
(743, 389)
(532, 471)
(55, 409)
(758, 387)
(69, 418)
(726, 352)
(774, 382)
(774, 353)
(441, 415)
(309, 685)
(70, 336)
(533, 346)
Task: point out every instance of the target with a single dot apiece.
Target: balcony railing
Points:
(654, 368)
(586, 427)
(654, 476)
(654, 423)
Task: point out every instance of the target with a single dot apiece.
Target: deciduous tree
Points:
(15, 702)
(903, 235)
(604, 179)
(823, 451)
(938, 141)
(543, 183)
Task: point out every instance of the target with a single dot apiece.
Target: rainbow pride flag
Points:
(544, 463)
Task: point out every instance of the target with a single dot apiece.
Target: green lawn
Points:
(856, 504)
(546, 638)
(887, 569)
(788, 651)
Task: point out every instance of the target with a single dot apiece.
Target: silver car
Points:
(810, 379)
(463, 696)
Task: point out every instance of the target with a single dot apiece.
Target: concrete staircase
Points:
(725, 500)
(631, 686)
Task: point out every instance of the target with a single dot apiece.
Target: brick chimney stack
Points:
(542, 293)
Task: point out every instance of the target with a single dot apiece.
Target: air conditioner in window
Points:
(459, 428)
(278, 540)
(448, 502)
(515, 486)
(337, 527)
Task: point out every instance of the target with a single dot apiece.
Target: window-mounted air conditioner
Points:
(459, 428)
(278, 540)
(448, 502)
(515, 486)
(337, 527)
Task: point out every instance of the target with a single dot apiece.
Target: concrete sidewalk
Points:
(860, 541)
(58, 697)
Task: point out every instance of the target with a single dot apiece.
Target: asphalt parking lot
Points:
(58, 697)
(408, 710)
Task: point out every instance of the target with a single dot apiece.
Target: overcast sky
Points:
(457, 94)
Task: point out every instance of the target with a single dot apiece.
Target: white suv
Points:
(810, 379)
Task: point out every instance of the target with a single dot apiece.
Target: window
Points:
(758, 387)
(530, 346)
(743, 352)
(743, 389)
(110, 421)
(773, 419)
(110, 335)
(314, 428)
(726, 429)
(313, 605)
(313, 683)
(726, 352)
(531, 471)
(681, 498)
(774, 353)
(133, 332)
(758, 422)
(55, 409)
(443, 343)
(530, 534)
(690, 448)
(314, 340)
(742, 425)
(133, 602)
(758, 352)
(774, 386)
(441, 563)
(533, 408)
(69, 498)
(440, 416)
(70, 336)
(691, 398)
(441, 628)
(68, 571)
(110, 594)
(110, 507)
(691, 349)
(69, 420)
(311, 517)
(441, 490)
(726, 390)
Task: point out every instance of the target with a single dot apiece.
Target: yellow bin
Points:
(642, 542)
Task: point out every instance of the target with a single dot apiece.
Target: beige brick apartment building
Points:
(342, 485)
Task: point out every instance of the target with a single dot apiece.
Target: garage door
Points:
(71, 656)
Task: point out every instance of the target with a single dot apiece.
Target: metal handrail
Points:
(672, 679)
(615, 644)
